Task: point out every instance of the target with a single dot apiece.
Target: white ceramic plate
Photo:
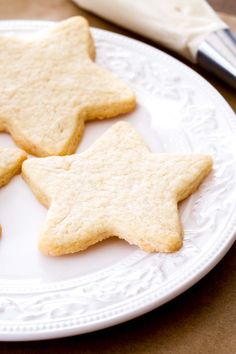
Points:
(112, 282)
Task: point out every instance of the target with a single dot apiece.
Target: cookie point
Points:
(122, 125)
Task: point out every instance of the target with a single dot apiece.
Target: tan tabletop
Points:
(203, 319)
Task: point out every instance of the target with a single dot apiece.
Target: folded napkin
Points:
(180, 25)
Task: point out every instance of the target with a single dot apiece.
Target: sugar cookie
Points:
(49, 86)
(115, 188)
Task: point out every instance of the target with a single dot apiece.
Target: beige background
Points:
(200, 321)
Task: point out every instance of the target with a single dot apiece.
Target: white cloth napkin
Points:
(180, 25)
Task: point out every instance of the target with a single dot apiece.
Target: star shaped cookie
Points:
(49, 86)
(10, 164)
(115, 188)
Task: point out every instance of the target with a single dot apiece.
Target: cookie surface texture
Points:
(115, 188)
(49, 86)
(10, 164)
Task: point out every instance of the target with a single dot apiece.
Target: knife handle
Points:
(217, 54)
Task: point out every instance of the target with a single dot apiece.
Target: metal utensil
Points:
(217, 54)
